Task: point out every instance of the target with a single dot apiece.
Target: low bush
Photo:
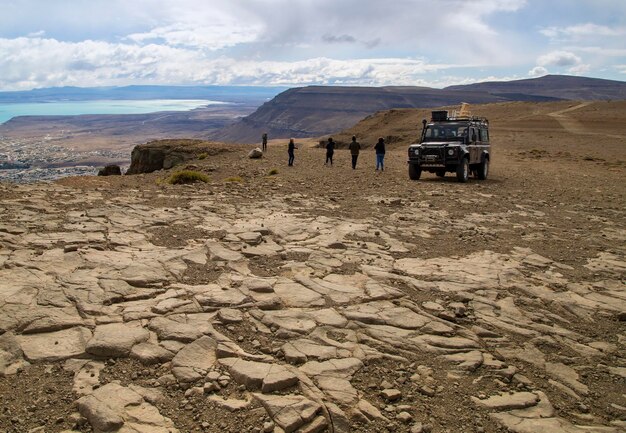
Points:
(233, 179)
(187, 176)
(273, 172)
(203, 155)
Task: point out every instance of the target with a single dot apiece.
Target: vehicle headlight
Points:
(451, 152)
(416, 151)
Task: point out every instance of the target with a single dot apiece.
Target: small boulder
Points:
(255, 153)
(110, 170)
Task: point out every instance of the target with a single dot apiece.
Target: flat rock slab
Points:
(290, 412)
(54, 346)
(194, 360)
(150, 353)
(518, 400)
(259, 375)
(113, 407)
(116, 339)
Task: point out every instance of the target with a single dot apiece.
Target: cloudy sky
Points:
(45, 43)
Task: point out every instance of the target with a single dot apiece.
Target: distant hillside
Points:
(553, 86)
(401, 127)
(320, 110)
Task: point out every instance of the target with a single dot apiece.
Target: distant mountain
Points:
(553, 86)
(321, 110)
(247, 94)
(318, 110)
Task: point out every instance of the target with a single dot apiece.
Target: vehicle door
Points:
(474, 145)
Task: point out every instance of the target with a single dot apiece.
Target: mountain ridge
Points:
(320, 110)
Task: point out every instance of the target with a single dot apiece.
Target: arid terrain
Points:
(314, 298)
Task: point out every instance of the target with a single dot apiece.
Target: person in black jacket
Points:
(380, 154)
(264, 141)
(290, 151)
(330, 150)
(354, 151)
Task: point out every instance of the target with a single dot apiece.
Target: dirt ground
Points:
(557, 186)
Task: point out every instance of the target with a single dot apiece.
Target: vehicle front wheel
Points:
(414, 171)
(483, 170)
(462, 171)
(440, 173)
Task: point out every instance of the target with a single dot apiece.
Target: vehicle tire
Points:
(462, 171)
(440, 173)
(414, 171)
(483, 170)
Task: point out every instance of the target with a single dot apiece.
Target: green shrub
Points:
(203, 155)
(233, 179)
(187, 176)
(273, 172)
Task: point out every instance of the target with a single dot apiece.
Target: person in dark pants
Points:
(290, 151)
(380, 154)
(264, 140)
(354, 147)
(330, 150)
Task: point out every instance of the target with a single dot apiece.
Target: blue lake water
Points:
(65, 108)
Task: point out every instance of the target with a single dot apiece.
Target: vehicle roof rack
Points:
(463, 113)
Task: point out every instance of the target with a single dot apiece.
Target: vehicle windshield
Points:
(450, 132)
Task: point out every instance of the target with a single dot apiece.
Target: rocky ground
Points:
(321, 298)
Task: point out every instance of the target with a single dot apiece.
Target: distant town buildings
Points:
(26, 160)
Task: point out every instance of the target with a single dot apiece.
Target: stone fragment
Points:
(391, 394)
(404, 417)
(370, 411)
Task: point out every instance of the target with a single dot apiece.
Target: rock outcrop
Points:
(165, 154)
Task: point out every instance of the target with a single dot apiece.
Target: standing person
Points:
(290, 151)
(330, 150)
(264, 140)
(354, 151)
(380, 154)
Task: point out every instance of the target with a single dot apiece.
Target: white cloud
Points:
(94, 63)
(538, 71)
(579, 69)
(559, 58)
(582, 30)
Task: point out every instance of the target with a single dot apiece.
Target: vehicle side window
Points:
(473, 136)
(485, 135)
(480, 135)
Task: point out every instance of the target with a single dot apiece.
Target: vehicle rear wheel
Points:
(462, 171)
(483, 170)
(414, 171)
(441, 173)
